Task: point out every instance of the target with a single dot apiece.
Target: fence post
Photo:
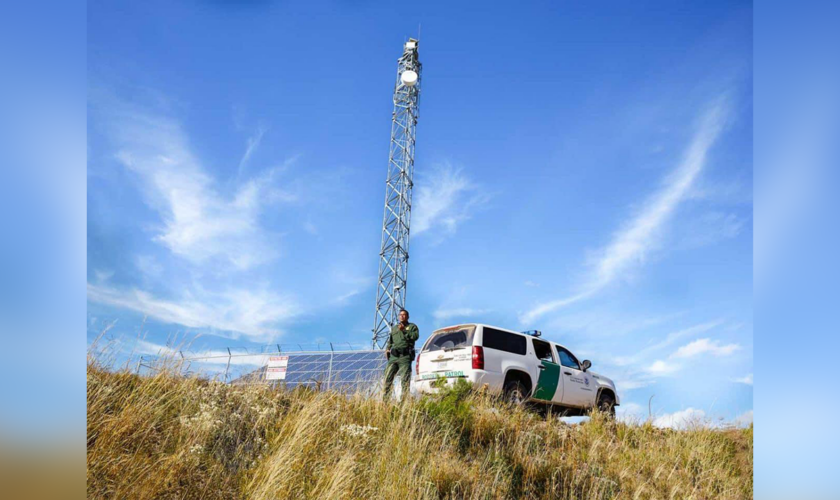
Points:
(228, 365)
(329, 371)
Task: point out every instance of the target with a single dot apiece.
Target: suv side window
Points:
(504, 341)
(567, 359)
(543, 351)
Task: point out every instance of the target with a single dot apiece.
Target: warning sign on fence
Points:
(275, 373)
(278, 361)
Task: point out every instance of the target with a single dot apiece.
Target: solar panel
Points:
(345, 371)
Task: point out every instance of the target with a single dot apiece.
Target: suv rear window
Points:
(504, 341)
(453, 338)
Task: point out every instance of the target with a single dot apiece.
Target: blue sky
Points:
(584, 170)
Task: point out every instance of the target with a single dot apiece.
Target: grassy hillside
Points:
(169, 437)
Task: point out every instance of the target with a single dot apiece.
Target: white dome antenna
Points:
(409, 78)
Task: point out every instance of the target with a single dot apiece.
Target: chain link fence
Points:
(344, 367)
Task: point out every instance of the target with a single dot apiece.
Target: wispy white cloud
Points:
(210, 357)
(645, 367)
(148, 266)
(444, 198)
(629, 411)
(711, 228)
(145, 347)
(747, 379)
(690, 418)
(538, 311)
(700, 346)
(199, 220)
(687, 418)
(251, 145)
(606, 322)
(644, 354)
(640, 235)
(685, 332)
(347, 283)
(660, 367)
(631, 383)
(736, 190)
(705, 346)
(216, 227)
(254, 313)
(343, 298)
(650, 369)
(461, 312)
(103, 275)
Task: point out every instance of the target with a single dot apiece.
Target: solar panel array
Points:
(351, 369)
(343, 371)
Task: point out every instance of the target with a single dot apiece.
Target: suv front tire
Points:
(606, 404)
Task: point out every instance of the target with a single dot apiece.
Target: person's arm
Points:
(412, 333)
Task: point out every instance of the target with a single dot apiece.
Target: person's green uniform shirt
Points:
(401, 344)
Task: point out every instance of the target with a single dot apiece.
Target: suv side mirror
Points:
(586, 364)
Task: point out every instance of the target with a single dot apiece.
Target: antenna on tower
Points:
(393, 256)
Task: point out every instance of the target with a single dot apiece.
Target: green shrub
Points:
(450, 406)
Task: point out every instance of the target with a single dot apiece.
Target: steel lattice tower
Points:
(393, 258)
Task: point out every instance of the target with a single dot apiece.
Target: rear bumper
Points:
(477, 378)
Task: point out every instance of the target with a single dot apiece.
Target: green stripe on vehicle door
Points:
(547, 383)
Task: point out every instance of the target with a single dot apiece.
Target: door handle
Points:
(541, 367)
(568, 373)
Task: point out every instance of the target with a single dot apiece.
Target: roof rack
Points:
(535, 333)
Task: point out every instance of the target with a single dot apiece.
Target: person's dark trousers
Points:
(401, 365)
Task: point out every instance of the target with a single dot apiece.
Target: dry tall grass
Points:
(170, 437)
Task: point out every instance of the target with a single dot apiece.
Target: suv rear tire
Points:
(515, 393)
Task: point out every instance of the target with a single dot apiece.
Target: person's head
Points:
(403, 316)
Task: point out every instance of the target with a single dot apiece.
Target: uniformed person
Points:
(400, 353)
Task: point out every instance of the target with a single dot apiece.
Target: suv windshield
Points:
(451, 338)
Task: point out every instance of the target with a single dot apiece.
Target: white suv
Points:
(518, 365)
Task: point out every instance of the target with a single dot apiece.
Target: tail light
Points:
(478, 357)
(417, 366)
